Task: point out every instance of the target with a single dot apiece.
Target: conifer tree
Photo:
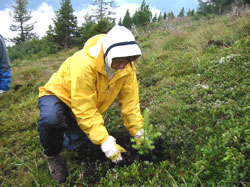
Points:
(160, 17)
(103, 26)
(145, 145)
(143, 15)
(104, 9)
(182, 13)
(205, 8)
(171, 15)
(165, 16)
(127, 21)
(221, 6)
(65, 24)
(154, 18)
(190, 12)
(120, 21)
(21, 16)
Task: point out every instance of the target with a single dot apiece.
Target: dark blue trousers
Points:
(57, 126)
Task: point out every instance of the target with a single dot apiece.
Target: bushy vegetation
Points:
(34, 48)
(194, 79)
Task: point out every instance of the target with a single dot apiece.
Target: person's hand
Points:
(117, 157)
(139, 136)
(112, 150)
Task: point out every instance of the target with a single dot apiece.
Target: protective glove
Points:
(112, 150)
(139, 136)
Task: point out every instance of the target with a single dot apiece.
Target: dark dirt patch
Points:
(219, 43)
(91, 153)
(16, 87)
(92, 156)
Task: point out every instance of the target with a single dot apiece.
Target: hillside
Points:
(194, 78)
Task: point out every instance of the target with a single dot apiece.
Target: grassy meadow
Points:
(194, 77)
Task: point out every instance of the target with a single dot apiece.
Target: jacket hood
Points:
(119, 42)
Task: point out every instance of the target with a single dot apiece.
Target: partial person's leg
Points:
(51, 124)
(74, 137)
(51, 130)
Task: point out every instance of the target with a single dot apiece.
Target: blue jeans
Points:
(57, 126)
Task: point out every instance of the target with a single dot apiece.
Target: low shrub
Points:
(34, 48)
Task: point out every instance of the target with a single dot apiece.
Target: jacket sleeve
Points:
(5, 71)
(128, 99)
(1, 51)
(84, 103)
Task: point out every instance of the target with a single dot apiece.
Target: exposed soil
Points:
(218, 43)
(16, 87)
(91, 154)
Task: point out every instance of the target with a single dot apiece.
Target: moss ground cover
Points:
(198, 95)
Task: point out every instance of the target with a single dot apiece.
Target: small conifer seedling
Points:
(149, 135)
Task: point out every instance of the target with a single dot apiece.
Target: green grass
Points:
(198, 96)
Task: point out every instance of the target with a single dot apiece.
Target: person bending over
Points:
(73, 100)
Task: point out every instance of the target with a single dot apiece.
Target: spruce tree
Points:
(222, 5)
(205, 8)
(120, 21)
(165, 16)
(145, 144)
(143, 15)
(104, 9)
(154, 18)
(190, 12)
(182, 13)
(65, 25)
(160, 17)
(171, 15)
(103, 26)
(127, 21)
(21, 16)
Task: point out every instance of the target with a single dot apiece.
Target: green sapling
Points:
(149, 134)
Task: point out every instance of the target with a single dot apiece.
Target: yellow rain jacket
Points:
(82, 84)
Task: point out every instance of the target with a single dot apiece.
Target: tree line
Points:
(65, 32)
(219, 7)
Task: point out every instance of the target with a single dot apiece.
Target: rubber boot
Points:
(57, 169)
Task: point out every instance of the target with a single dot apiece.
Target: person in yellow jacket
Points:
(87, 83)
